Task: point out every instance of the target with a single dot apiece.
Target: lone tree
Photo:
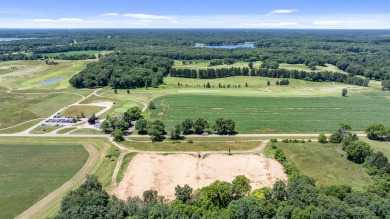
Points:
(128, 91)
(116, 91)
(268, 83)
(151, 105)
(344, 92)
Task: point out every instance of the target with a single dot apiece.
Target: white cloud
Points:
(110, 15)
(284, 11)
(146, 16)
(55, 20)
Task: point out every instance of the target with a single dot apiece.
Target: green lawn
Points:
(196, 146)
(125, 163)
(76, 110)
(31, 171)
(66, 130)
(86, 131)
(325, 163)
(276, 114)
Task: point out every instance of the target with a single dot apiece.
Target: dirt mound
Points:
(163, 172)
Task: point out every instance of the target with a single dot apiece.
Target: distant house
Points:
(92, 119)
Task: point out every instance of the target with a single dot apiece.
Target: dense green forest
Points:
(358, 52)
(121, 70)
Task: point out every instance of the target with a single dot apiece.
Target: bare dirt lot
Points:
(163, 172)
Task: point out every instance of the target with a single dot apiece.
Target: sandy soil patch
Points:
(163, 173)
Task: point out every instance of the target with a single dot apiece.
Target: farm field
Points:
(88, 111)
(24, 107)
(325, 163)
(45, 167)
(275, 114)
(47, 164)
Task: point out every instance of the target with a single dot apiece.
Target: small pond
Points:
(51, 81)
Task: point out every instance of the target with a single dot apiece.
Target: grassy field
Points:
(383, 146)
(47, 161)
(25, 107)
(44, 168)
(47, 129)
(276, 115)
(30, 74)
(86, 131)
(125, 163)
(76, 110)
(302, 67)
(325, 163)
(20, 128)
(65, 130)
(185, 146)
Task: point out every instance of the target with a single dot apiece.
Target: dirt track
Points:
(164, 172)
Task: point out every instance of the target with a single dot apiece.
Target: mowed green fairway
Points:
(324, 163)
(18, 108)
(276, 114)
(29, 172)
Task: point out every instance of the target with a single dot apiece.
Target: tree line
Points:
(297, 198)
(211, 73)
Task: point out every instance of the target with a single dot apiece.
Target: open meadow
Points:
(325, 163)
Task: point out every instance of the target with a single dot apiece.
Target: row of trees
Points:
(156, 128)
(121, 70)
(299, 198)
(272, 73)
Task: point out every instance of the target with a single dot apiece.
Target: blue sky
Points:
(352, 14)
